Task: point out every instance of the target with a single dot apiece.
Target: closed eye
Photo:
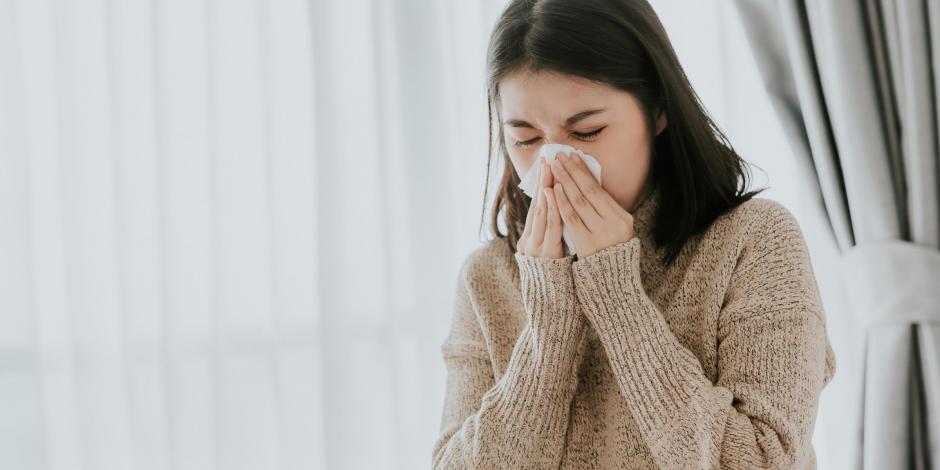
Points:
(583, 136)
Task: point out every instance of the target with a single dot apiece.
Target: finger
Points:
(578, 200)
(554, 230)
(600, 199)
(542, 170)
(569, 215)
(546, 180)
(527, 228)
(529, 214)
(537, 233)
(524, 236)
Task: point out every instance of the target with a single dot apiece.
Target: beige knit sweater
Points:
(612, 361)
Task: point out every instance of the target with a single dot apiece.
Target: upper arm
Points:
(773, 270)
(773, 352)
(469, 370)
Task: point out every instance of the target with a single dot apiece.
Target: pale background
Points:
(231, 229)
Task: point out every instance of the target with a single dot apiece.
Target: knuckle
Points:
(581, 199)
(624, 226)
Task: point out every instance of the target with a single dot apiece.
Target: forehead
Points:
(549, 96)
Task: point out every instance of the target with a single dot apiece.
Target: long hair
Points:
(623, 44)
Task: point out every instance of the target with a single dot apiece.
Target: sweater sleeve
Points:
(773, 355)
(519, 420)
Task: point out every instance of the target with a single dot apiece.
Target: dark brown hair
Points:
(620, 43)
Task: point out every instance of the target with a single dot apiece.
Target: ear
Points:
(661, 122)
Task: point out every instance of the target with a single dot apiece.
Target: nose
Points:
(549, 139)
(557, 136)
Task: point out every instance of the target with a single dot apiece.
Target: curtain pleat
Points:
(867, 98)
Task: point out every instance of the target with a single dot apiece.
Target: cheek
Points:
(521, 159)
(612, 153)
(622, 162)
(624, 148)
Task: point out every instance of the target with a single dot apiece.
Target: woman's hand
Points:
(595, 220)
(542, 234)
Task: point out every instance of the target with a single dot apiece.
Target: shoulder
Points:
(761, 239)
(489, 263)
(769, 252)
(488, 282)
(759, 211)
(758, 221)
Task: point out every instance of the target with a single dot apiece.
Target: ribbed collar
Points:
(643, 214)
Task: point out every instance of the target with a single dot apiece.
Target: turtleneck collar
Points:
(644, 212)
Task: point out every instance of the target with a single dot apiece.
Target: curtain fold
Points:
(854, 85)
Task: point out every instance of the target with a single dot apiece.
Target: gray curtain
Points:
(855, 85)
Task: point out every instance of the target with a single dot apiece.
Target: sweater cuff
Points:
(659, 375)
(547, 286)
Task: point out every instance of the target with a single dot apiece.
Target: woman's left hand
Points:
(595, 219)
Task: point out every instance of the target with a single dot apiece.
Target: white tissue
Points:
(530, 183)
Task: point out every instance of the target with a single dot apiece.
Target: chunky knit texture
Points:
(613, 361)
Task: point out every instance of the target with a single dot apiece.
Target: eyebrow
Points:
(568, 122)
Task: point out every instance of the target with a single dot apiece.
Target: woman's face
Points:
(549, 107)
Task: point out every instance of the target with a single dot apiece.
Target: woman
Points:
(686, 332)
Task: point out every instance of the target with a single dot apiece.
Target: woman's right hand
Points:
(543, 225)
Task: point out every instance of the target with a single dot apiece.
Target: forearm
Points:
(759, 413)
(522, 419)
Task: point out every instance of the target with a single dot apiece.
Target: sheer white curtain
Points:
(231, 229)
